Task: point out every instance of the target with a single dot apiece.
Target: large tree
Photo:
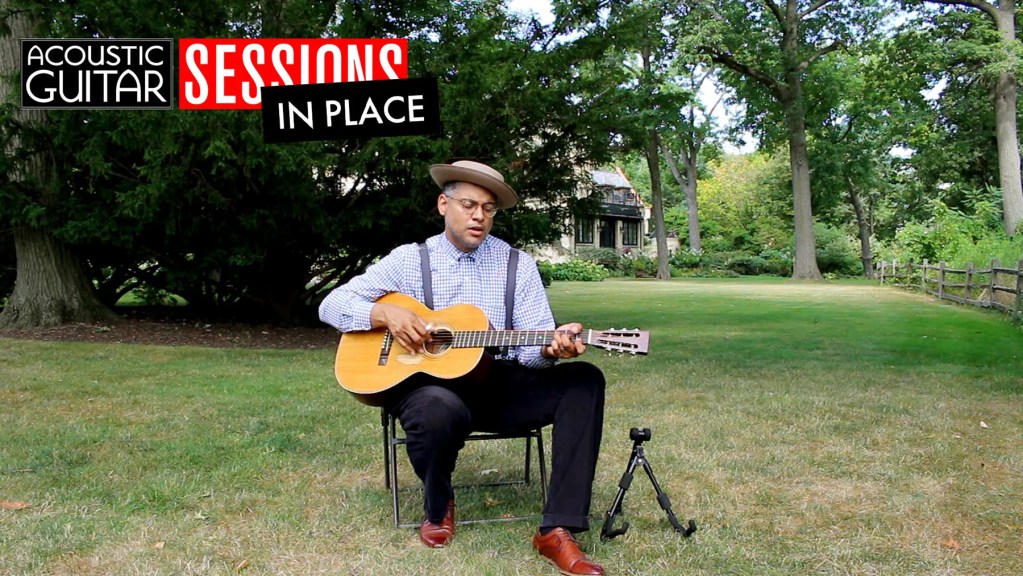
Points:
(50, 287)
(998, 69)
(854, 147)
(769, 46)
(682, 144)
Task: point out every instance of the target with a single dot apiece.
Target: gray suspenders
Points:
(509, 284)
(424, 263)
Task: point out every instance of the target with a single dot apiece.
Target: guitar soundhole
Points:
(440, 341)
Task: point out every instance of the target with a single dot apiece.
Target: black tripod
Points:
(638, 437)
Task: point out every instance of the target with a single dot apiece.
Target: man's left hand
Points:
(564, 345)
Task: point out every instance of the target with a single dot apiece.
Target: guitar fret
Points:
(501, 338)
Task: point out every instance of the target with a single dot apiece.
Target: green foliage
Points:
(996, 246)
(730, 263)
(546, 272)
(629, 263)
(685, 260)
(951, 136)
(579, 271)
(836, 254)
(704, 273)
(606, 256)
(777, 262)
(746, 265)
(954, 236)
(642, 266)
(746, 204)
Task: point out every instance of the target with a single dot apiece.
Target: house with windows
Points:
(622, 225)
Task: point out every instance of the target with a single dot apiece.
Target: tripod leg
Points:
(609, 531)
(665, 503)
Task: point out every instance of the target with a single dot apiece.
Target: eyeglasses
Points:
(470, 206)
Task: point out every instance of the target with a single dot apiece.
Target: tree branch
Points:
(699, 82)
(726, 59)
(776, 10)
(710, 112)
(813, 8)
(989, 8)
(669, 157)
(825, 50)
(845, 133)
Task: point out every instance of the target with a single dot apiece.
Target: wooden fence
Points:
(993, 287)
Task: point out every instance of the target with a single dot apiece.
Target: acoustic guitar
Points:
(370, 363)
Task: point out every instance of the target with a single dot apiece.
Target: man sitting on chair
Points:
(522, 388)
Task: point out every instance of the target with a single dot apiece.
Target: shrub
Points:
(579, 270)
(996, 246)
(700, 273)
(835, 252)
(746, 265)
(686, 260)
(777, 262)
(949, 235)
(606, 257)
(546, 272)
(643, 266)
(718, 260)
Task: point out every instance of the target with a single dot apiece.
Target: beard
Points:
(465, 240)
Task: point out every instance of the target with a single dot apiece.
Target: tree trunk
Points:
(692, 210)
(688, 185)
(804, 266)
(1004, 96)
(50, 287)
(653, 163)
(863, 224)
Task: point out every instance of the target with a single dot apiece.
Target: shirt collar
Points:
(448, 249)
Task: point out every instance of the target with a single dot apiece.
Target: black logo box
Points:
(85, 73)
(342, 110)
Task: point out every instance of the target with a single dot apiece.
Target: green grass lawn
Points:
(838, 428)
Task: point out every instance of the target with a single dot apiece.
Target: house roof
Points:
(607, 178)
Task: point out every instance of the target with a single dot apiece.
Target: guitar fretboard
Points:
(502, 338)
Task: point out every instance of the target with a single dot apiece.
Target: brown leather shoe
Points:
(560, 548)
(438, 535)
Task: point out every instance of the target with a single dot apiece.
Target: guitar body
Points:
(369, 364)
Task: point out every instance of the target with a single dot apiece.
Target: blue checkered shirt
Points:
(477, 277)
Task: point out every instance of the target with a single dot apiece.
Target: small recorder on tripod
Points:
(639, 436)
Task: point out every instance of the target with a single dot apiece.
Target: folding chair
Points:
(392, 440)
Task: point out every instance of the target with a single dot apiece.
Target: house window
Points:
(584, 231)
(630, 234)
(606, 229)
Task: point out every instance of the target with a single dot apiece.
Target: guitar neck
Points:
(503, 338)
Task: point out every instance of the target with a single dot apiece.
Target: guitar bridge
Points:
(385, 348)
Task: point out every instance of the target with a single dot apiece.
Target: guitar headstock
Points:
(624, 340)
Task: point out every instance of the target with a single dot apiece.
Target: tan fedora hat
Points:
(478, 174)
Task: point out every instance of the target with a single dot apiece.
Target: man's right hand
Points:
(404, 325)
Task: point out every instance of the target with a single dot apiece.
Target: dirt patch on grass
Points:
(185, 333)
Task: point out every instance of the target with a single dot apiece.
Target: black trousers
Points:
(437, 416)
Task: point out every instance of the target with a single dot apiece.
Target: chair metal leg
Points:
(525, 478)
(392, 447)
(542, 462)
(391, 442)
(385, 424)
